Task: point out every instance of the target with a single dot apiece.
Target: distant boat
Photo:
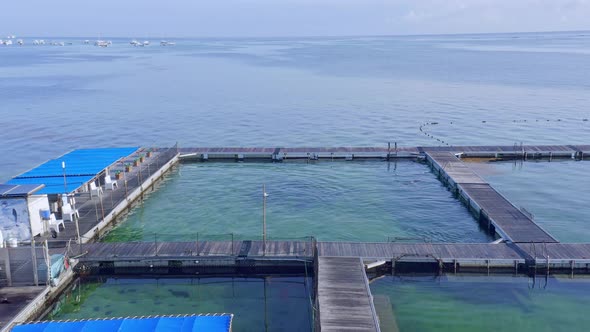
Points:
(146, 42)
(8, 42)
(20, 42)
(134, 42)
(167, 43)
(87, 41)
(101, 43)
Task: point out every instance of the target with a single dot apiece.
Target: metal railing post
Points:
(232, 244)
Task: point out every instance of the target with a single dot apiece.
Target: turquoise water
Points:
(258, 304)
(556, 193)
(333, 201)
(479, 303)
(293, 92)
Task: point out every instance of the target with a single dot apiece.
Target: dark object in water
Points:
(179, 293)
(4, 300)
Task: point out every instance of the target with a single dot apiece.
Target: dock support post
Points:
(47, 261)
(393, 267)
(572, 267)
(7, 266)
(550, 156)
(264, 195)
(396, 149)
(515, 267)
(488, 266)
(455, 265)
(388, 150)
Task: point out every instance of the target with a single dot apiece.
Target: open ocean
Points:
(293, 92)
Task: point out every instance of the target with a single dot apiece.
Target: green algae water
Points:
(556, 193)
(272, 303)
(481, 303)
(333, 201)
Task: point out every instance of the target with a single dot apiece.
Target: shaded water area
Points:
(481, 303)
(556, 193)
(333, 201)
(273, 303)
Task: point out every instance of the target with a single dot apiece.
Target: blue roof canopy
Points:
(79, 163)
(80, 167)
(192, 323)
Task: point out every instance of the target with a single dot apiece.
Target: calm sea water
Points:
(333, 201)
(277, 303)
(556, 193)
(293, 92)
(479, 303)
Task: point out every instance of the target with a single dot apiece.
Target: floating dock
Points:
(343, 297)
(501, 216)
(389, 152)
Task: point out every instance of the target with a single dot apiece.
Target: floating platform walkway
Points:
(501, 216)
(343, 296)
(389, 152)
(482, 255)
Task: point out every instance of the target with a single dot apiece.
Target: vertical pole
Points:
(47, 261)
(33, 252)
(388, 150)
(396, 149)
(265, 310)
(78, 231)
(264, 219)
(6, 251)
(63, 166)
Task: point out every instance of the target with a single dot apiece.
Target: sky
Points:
(275, 18)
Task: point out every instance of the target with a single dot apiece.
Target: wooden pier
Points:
(501, 216)
(492, 255)
(386, 152)
(342, 293)
(344, 298)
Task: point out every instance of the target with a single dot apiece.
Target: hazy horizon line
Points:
(309, 36)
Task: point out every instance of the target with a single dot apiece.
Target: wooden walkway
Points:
(508, 221)
(344, 297)
(382, 153)
(416, 252)
(123, 251)
(413, 252)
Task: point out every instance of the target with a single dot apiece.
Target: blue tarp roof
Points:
(81, 166)
(79, 162)
(197, 323)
